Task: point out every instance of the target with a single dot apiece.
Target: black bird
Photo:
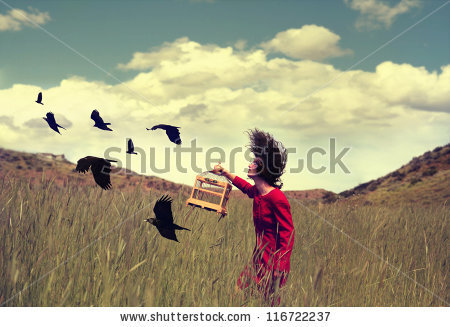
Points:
(39, 98)
(50, 119)
(172, 132)
(130, 149)
(164, 219)
(101, 168)
(95, 116)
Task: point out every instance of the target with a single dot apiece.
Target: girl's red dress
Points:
(274, 237)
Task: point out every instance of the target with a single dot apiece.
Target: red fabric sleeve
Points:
(245, 187)
(285, 237)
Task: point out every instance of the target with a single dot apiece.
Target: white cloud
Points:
(240, 45)
(16, 19)
(376, 14)
(167, 52)
(414, 87)
(309, 42)
(216, 93)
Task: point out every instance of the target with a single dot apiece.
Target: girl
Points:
(272, 217)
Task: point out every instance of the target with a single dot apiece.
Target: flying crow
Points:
(39, 98)
(172, 132)
(101, 168)
(95, 116)
(130, 148)
(50, 119)
(164, 219)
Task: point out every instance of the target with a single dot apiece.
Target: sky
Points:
(353, 88)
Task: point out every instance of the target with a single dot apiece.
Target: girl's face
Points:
(253, 167)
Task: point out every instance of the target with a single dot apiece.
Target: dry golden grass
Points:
(82, 246)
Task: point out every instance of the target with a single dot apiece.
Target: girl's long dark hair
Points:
(273, 156)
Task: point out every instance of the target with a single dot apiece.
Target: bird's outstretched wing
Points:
(156, 127)
(167, 233)
(51, 118)
(83, 164)
(39, 98)
(163, 210)
(95, 116)
(174, 134)
(101, 169)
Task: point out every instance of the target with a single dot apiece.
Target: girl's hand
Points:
(218, 169)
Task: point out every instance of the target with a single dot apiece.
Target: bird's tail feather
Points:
(180, 228)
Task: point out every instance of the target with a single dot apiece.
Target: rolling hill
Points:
(425, 179)
(35, 167)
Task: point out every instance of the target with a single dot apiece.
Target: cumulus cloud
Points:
(35, 123)
(7, 121)
(376, 14)
(240, 45)
(414, 87)
(192, 111)
(16, 19)
(216, 93)
(156, 56)
(41, 123)
(308, 42)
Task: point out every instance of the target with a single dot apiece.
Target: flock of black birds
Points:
(101, 169)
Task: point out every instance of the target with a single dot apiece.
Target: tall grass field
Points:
(82, 246)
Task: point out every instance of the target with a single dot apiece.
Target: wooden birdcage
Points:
(210, 192)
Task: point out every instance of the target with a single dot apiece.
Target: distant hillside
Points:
(425, 179)
(34, 167)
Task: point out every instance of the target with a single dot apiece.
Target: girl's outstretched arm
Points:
(241, 184)
(219, 170)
